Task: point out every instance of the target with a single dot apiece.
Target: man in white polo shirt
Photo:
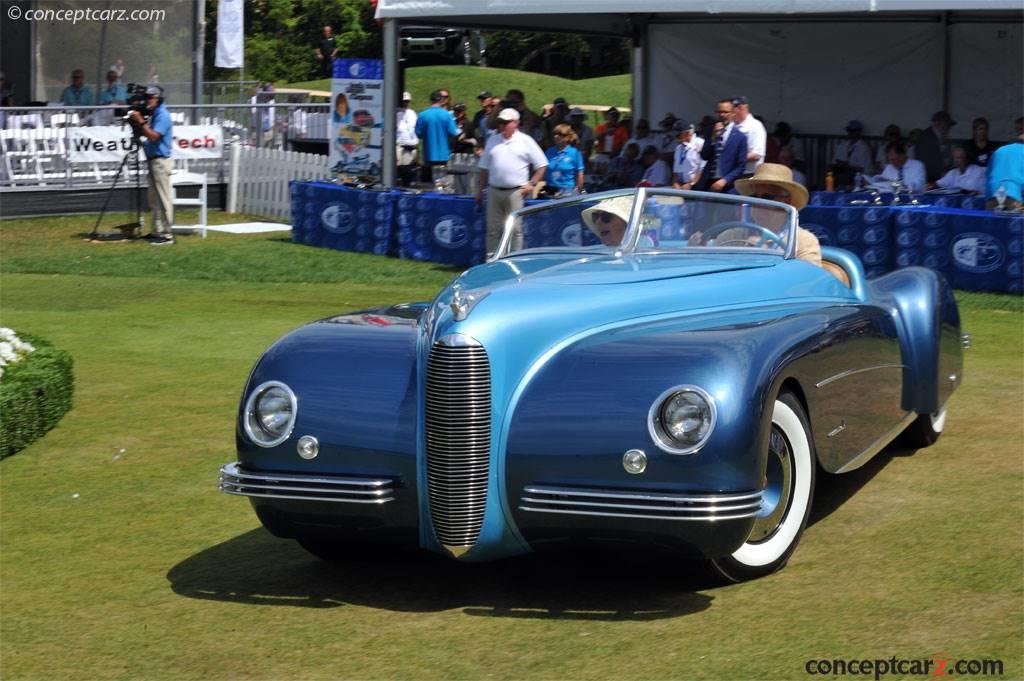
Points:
(505, 170)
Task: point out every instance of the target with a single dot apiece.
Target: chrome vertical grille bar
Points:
(458, 439)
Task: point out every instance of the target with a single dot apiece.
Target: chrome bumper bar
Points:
(235, 480)
(641, 504)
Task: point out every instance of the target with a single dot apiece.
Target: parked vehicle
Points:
(673, 381)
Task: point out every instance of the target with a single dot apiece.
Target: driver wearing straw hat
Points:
(774, 182)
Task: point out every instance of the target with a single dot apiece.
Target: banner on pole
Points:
(357, 117)
(230, 34)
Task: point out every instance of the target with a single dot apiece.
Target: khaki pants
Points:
(500, 204)
(160, 194)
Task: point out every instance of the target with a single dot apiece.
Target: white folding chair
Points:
(181, 177)
(22, 160)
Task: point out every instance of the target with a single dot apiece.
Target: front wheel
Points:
(786, 504)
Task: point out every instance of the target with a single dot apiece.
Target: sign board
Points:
(357, 117)
(103, 144)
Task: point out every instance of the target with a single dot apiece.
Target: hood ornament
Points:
(462, 303)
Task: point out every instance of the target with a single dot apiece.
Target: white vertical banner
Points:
(357, 117)
(230, 34)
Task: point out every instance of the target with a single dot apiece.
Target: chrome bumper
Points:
(640, 504)
(235, 480)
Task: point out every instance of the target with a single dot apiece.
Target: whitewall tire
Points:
(786, 504)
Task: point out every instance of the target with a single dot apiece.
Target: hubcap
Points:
(778, 490)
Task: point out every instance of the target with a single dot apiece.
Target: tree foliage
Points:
(282, 35)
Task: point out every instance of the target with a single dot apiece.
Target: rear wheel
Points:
(786, 504)
(925, 430)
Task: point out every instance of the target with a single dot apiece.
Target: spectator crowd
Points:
(710, 154)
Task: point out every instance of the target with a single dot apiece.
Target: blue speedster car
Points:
(640, 368)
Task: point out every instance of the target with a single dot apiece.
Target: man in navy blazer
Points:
(725, 153)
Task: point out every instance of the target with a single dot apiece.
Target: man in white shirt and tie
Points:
(907, 171)
(968, 178)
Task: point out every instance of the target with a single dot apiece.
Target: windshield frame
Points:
(631, 239)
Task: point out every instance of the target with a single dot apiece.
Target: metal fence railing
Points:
(36, 143)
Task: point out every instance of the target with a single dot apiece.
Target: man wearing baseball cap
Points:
(158, 132)
(686, 161)
(406, 140)
(511, 166)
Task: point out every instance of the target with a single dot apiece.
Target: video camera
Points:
(136, 101)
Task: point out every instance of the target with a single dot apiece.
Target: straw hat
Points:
(620, 206)
(777, 175)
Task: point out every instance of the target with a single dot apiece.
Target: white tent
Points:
(814, 63)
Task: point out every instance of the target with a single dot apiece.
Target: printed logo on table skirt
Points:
(977, 252)
(572, 234)
(875, 235)
(908, 238)
(873, 215)
(451, 231)
(337, 218)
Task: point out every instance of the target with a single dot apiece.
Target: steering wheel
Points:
(708, 237)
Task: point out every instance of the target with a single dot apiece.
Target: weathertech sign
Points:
(101, 144)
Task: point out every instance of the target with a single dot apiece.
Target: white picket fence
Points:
(258, 181)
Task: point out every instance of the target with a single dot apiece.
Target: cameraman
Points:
(157, 146)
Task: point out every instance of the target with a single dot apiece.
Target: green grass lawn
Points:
(465, 82)
(120, 560)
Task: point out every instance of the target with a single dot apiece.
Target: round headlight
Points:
(270, 414)
(681, 419)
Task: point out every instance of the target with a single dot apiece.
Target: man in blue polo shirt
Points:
(157, 146)
(435, 126)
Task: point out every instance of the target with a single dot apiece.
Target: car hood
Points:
(599, 269)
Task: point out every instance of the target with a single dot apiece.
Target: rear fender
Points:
(924, 309)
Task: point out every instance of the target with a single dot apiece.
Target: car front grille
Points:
(236, 480)
(458, 439)
(641, 504)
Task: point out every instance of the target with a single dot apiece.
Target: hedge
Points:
(34, 394)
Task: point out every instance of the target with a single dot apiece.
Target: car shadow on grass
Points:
(257, 568)
(832, 491)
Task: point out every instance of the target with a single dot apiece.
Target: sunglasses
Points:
(603, 216)
(772, 197)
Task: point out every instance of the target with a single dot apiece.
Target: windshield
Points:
(651, 220)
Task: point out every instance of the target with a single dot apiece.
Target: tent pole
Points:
(946, 59)
(638, 69)
(391, 83)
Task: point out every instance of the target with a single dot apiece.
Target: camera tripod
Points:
(129, 229)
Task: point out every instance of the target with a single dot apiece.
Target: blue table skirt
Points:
(975, 250)
(858, 199)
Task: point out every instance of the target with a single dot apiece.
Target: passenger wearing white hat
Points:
(407, 141)
(608, 219)
(511, 166)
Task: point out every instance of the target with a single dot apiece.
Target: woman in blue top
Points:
(565, 163)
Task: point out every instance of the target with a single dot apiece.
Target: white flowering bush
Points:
(37, 383)
(12, 348)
